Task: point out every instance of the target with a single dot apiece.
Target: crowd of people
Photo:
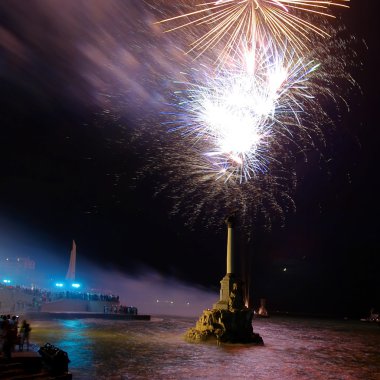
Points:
(50, 296)
(11, 335)
(120, 309)
(41, 296)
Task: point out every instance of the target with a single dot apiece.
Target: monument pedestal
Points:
(226, 285)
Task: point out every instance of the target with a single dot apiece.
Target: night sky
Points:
(78, 81)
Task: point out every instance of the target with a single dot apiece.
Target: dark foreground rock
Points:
(32, 365)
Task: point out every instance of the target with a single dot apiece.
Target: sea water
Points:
(294, 348)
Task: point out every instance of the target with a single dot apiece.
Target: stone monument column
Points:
(226, 284)
(229, 320)
(230, 253)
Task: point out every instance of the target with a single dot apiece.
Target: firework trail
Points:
(223, 24)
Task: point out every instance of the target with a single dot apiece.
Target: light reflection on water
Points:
(294, 349)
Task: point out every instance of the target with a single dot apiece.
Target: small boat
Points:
(262, 312)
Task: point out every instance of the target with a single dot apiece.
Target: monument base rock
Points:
(232, 326)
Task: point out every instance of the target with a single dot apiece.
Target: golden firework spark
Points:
(231, 21)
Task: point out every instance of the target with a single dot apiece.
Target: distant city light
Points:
(59, 285)
(166, 301)
(75, 285)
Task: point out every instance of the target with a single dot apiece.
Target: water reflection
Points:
(76, 337)
(294, 349)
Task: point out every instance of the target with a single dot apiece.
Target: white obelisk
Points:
(73, 256)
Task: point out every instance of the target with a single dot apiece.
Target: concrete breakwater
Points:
(83, 315)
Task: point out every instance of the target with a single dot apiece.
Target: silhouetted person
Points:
(7, 339)
(24, 332)
(14, 329)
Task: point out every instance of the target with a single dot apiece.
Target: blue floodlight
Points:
(7, 281)
(59, 284)
(75, 285)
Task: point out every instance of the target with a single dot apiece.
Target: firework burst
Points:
(227, 22)
(205, 181)
(238, 114)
